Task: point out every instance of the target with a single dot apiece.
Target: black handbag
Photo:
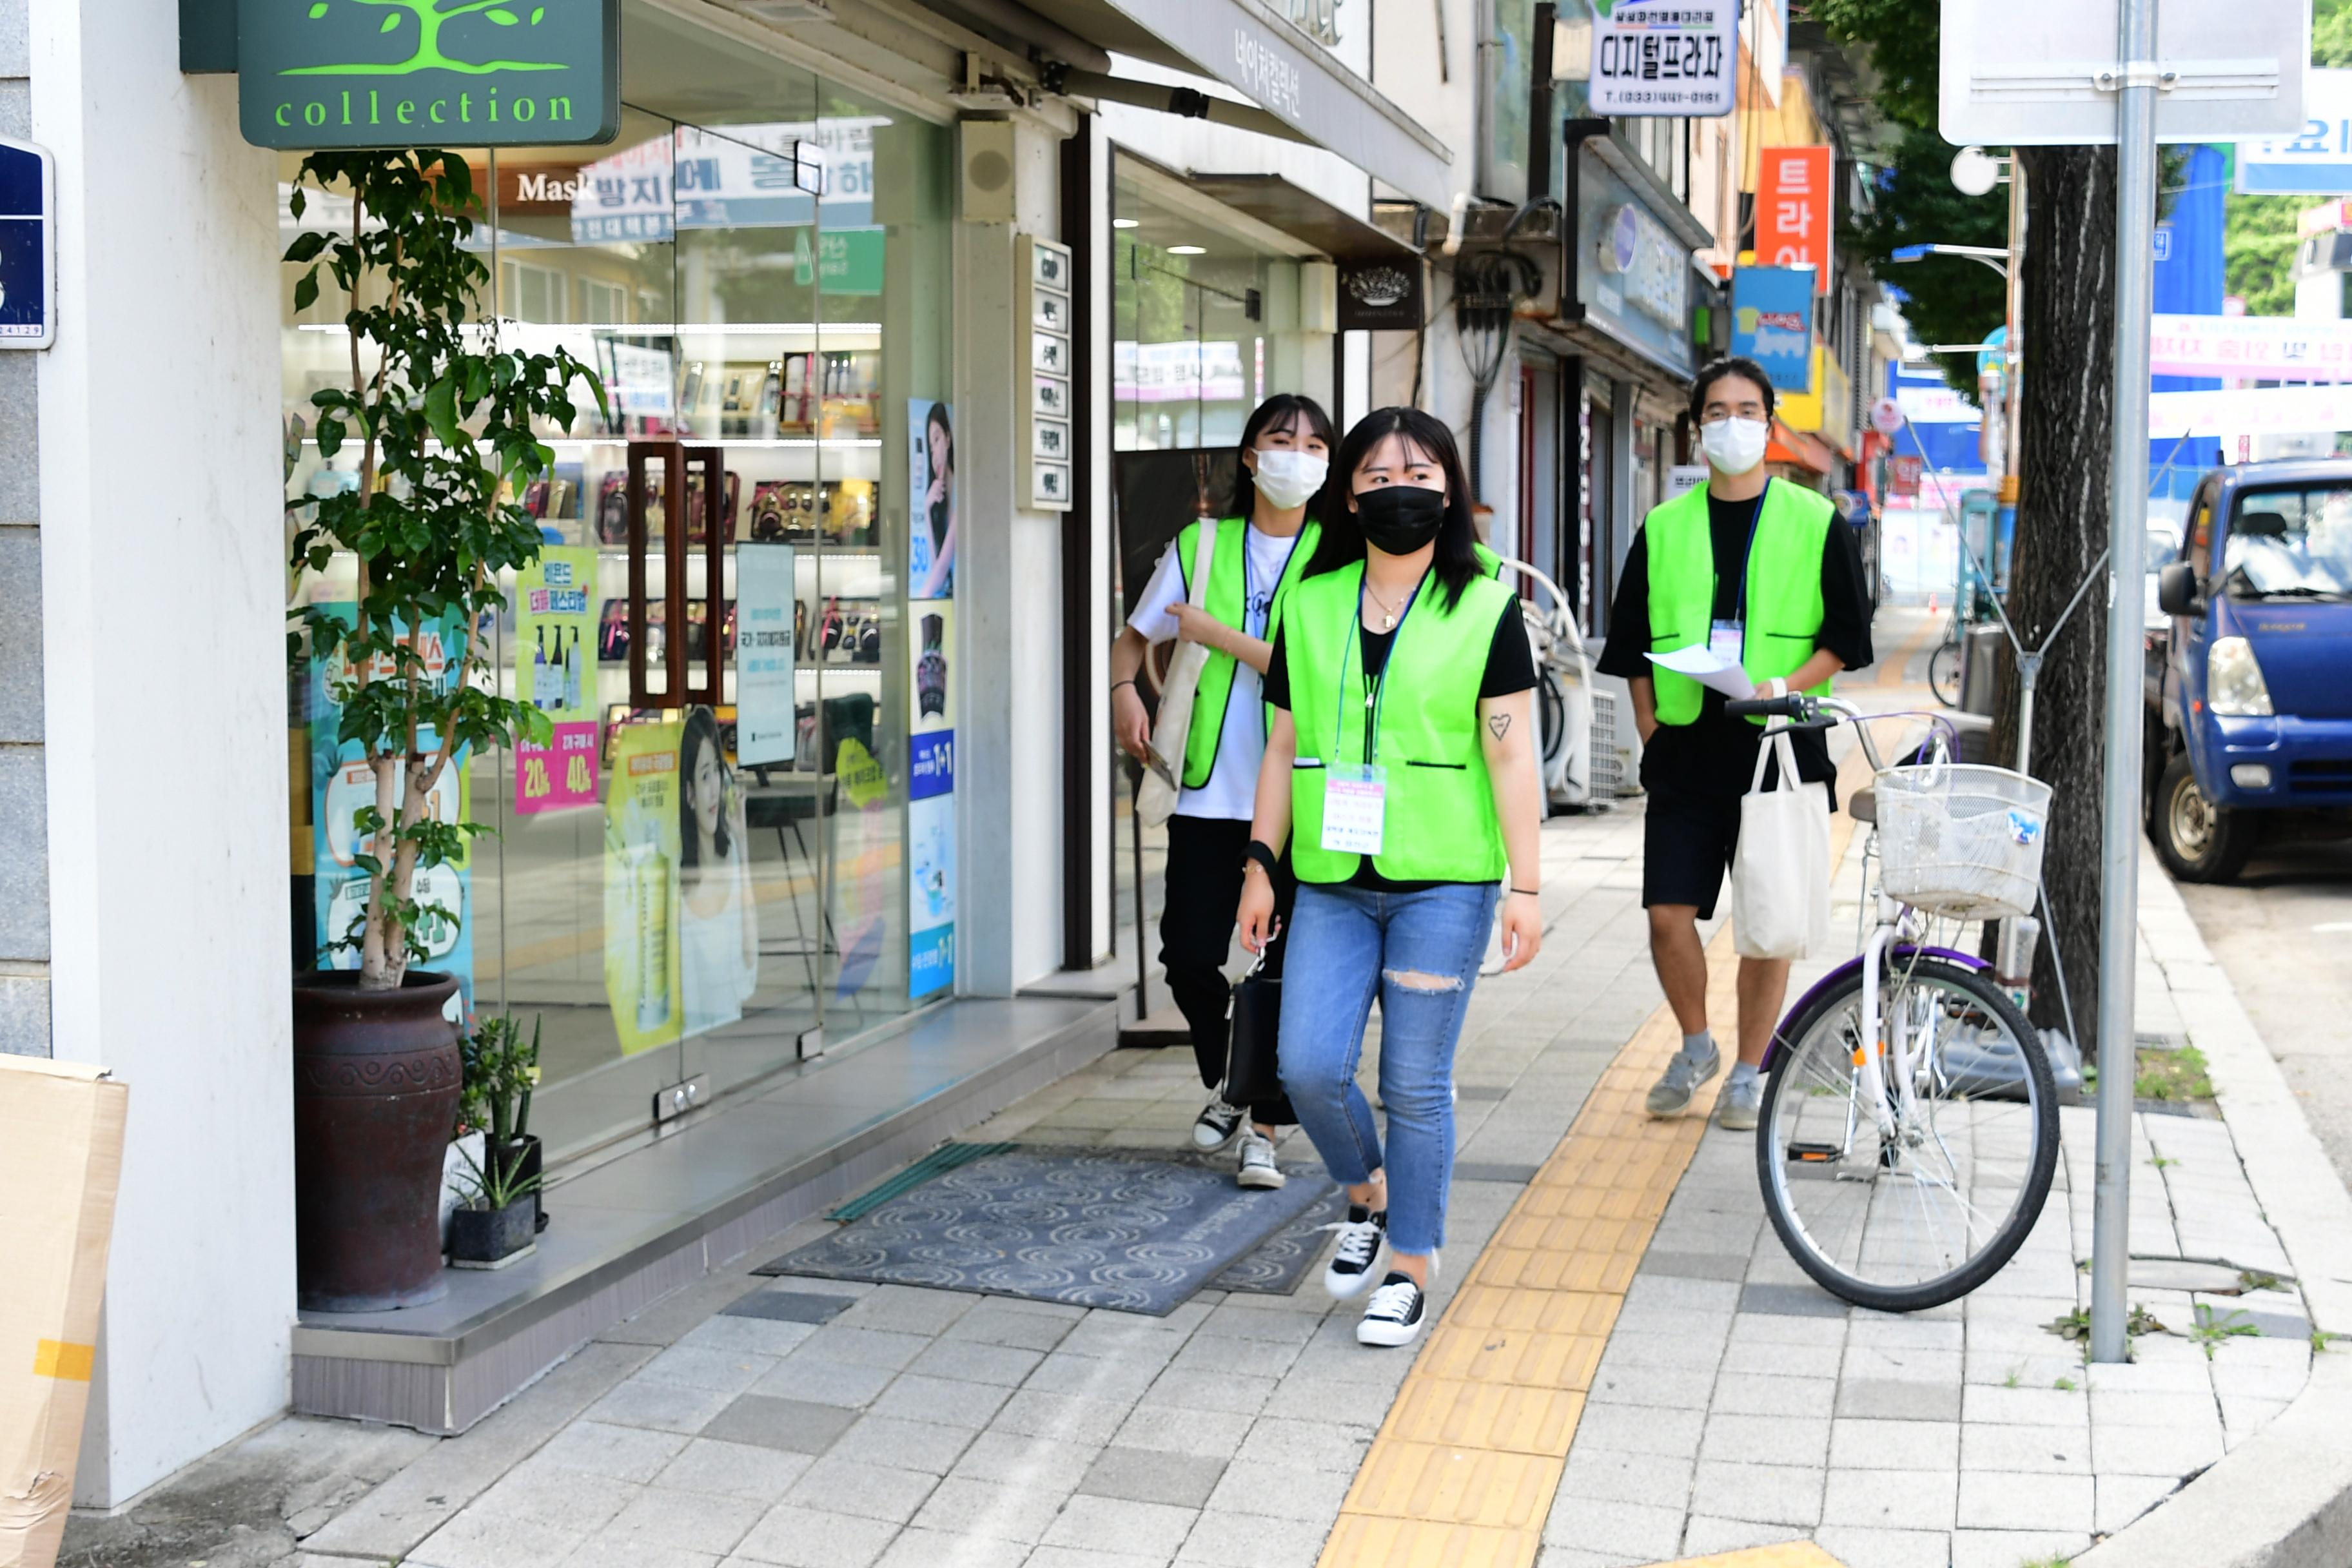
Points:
(1252, 1072)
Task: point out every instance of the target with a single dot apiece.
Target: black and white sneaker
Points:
(1215, 1126)
(1360, 1236)
(1394, 1315)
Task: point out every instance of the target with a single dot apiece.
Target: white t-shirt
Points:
(1232, 790)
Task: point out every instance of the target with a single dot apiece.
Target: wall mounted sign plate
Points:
(28, 195)
(425, 73)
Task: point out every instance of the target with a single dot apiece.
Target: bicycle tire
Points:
(1944, 673)
(2042, 1168)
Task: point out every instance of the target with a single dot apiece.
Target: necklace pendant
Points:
(1388, 623)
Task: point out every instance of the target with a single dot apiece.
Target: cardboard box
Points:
(60, 1161)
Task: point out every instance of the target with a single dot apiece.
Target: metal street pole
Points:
(2012, 350)
(2136, 92)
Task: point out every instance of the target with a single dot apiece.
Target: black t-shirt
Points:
(1510, 669)
(1716, 754)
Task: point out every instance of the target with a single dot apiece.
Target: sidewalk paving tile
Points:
(1624, 1365)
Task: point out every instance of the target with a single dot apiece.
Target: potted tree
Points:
(444, 419)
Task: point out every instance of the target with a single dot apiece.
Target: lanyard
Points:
(1376, 687)
(1739, 604)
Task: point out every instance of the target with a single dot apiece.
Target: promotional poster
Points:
(930, 484)
(641, 854)
(342, 784)
(555, 672)
(764, 652)
(716, 920)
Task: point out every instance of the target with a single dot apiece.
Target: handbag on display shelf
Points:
(1164, 775)
(1253, 1073)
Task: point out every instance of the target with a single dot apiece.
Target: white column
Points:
(1008, 604)
(162, 590)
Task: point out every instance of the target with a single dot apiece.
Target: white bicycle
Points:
(1909, 1126)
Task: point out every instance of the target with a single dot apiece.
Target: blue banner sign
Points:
(1773, 323)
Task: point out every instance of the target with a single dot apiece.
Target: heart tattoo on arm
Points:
(1500, 723)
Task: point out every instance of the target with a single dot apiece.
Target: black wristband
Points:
(1259, 852)
(1117, 684)
(1531, 892)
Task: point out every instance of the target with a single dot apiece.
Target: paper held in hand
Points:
(1709, 669)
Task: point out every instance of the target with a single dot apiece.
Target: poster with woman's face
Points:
(930, 487)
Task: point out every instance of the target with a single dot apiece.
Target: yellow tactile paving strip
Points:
(1463, 1473)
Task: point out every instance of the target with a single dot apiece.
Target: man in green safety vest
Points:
(1763, 572)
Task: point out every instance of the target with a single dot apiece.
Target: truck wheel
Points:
(2197, 840)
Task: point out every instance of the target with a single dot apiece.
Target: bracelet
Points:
(1117, 684)
(1260, 853)
(1531, 892)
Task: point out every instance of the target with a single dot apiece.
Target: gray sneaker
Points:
(1671, 1095)
(1738, 1109)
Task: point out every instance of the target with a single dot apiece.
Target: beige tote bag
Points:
(1163, 779)
(1780, 874)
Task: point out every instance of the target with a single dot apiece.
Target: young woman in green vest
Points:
(1764, 572)
(1398, 773)
(1260, 553)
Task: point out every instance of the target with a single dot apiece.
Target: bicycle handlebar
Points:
(1798, 707)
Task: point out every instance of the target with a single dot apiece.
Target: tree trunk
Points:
(2065, 419)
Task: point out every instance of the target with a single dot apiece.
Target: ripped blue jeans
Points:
(1419, 954)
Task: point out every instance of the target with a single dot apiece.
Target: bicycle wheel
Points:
(1944, 673)
(1923, 1218)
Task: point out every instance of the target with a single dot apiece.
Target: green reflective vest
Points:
(1783, 612)
(1490, 564)
(1439, 824)
(1228, 600)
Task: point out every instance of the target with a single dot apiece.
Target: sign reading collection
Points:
(405, 73)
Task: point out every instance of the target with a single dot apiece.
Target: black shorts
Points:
(1687, 840)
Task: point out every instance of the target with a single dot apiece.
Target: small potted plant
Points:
(500, 1069)
(494, 1226)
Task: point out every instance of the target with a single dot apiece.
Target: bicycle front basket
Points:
(1961, 840)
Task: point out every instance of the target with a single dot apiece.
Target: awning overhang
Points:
(1300, 213)
(1268, 60)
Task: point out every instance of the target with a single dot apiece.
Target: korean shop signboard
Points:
(1792, 210)
(422, 73)
(1663, 56)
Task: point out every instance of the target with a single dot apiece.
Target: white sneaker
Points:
(1257, 1167)
(1215, 1126)
(1393, 1316)
(1351, 1269)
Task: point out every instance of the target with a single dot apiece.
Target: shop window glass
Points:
(806, 339)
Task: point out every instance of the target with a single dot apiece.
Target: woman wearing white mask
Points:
(1764, 573)
(1261, 551)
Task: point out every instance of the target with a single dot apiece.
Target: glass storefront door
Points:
(702, 882)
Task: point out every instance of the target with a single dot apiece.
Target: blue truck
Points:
(2249, 724)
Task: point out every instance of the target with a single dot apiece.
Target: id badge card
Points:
(1724, 639)
(1355, 804)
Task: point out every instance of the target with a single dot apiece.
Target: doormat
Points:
(1277, 1265)
(1088, 1227)
(946, 1157)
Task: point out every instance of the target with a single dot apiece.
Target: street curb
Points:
(2282, 1499)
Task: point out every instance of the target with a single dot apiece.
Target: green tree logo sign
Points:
(419, 25)
(429, 73)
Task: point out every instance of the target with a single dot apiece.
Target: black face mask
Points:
(1401, 518)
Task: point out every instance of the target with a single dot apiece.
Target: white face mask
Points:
(1288, 478)
(1734, 446)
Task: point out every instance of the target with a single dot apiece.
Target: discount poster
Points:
(344, 784)
(930, 802)
(555, 672)
(641, 854)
